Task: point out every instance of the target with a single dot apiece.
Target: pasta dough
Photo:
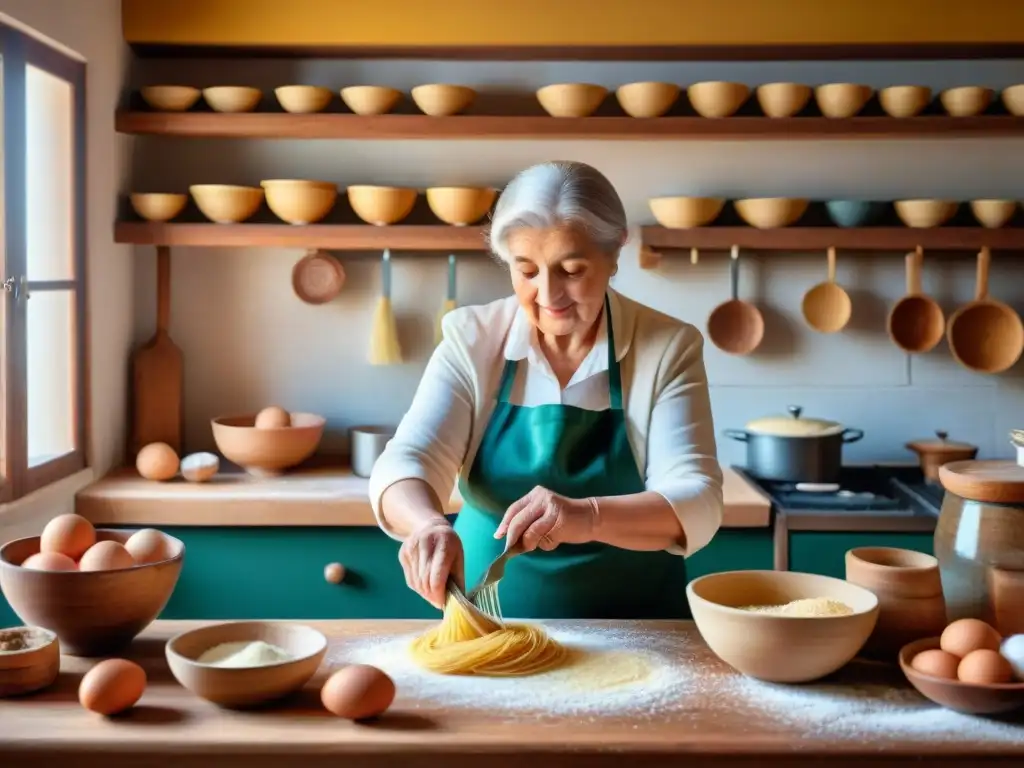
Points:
(466, 643)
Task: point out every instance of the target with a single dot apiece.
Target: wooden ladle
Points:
(827, 307)
(736, 326)
(985, 335)
(916, 322)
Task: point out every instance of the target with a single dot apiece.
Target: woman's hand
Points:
(545, 519)
(428, 556)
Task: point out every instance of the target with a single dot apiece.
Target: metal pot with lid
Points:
(932, 454)
(979, 541)
(795, 448)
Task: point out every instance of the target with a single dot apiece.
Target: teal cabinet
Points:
(7, 617)
(824, 552)
(734, 549)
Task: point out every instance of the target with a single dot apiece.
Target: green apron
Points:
(576, 453)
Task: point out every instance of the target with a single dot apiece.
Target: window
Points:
(42, 97)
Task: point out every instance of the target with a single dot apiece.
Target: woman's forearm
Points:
(640, 521)
(410, 504)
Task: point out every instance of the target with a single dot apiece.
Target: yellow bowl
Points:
(298, 201)
(647, 99)
(442, 99)
(841, 100)
(993, 213)
(170, 98)
(571, 99)
(158, 206)
(771, 212)
(924, 214)
(685, 212)
(460, 206)
(232, 98)
(381, 205)
(303, 99)
(904, 100)
(966, 101)
(717, 98)
(226, 203)
(370, 99)
(1013, 99)
(782, 99)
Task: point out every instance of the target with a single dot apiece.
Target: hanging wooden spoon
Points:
(827, 307)
(916, 322)
(736, 326)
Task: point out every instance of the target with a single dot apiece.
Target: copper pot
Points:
(932, 454)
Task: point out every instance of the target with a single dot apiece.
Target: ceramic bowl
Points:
(966, 101)
(853, 213)
(460, 206)
(685, 212)
(924, 214)
(993, 213)
(226, 203)
(571, 99)
(298, 201)
(170, 98)
(158, 206)
(839, 100)
(717, 98)
(31, 669)
(246, 686)
(1013, 99)
(780, 649)
(303, 99)
(381, 205)
(647, 99)
(771, 212)
(443, 99)
(783, 99)
(232, 98)
(267, 452)
(370, 99)
(93, 613)
(968, 698)
(904, 100)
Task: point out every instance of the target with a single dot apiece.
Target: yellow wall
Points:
(570, 22)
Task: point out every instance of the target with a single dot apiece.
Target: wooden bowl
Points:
(647, 99)
(370, 99)
(94, 613)
(32, 669)
(1013, 99)
(299, 201)
(841, 100)
(924, 214)
(782, 99)
(245, 686)
(779, 649)
(993, 213)
(381, 205)
(571, 99)
(267, 452)
(904, 100)
(717, 98)
(460, 206)
(158, 206)
(318, 277)
(443, 99)
(303, 99)
(968, 698)
(966, 101)
(170, 98)
(226, 203)
(771, 212)
(685, 212)
(232, 98)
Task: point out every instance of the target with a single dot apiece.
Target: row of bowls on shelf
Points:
(302, 201)
(773, 212)
(713, 98)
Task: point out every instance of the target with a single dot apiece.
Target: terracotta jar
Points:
(909, 590)
(932, 454)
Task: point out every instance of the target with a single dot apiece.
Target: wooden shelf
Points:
(338, 237)
(273, 125)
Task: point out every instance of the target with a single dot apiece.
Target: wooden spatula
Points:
(157, 373)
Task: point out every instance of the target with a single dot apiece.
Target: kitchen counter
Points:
(709, 717)
(328, 496)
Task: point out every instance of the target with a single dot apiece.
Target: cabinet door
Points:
(824, 552)
(734, 549)
(7, 617)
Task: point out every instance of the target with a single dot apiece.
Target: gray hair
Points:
(555, 193)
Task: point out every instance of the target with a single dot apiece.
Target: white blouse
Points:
(665, 397)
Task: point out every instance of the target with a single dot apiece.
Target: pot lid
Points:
(941, 445)
(991, 481)
(794, 425)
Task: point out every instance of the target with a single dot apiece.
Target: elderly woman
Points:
(576, 420)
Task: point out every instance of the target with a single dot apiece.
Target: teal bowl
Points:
(854, 213)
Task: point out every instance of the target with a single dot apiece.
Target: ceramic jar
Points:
(910, 600)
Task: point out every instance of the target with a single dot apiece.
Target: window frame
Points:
(18, 51)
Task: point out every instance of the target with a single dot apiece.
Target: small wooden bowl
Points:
(924, 214)
(232, 98)
(904, 100)
(839, 100)
(370, 99)
(571, 99)
(381, 205)
(303, 99)
(771, 212)
(685, 212)
(226, 203)
(443, 99)
(968, 698)
(1013, 99)
(993, 213)
(783, 99)
(170, 98)
(317, 277)
(158, 206)
(31, 669)
(460, 206)
(647, 99)
(299, 201)
(267, 452)
(246, 686)
(717, 98)
(966, 101)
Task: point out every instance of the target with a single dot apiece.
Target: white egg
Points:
(1013, 651)
(199, 467)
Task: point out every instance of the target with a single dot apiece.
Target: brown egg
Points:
(69, 535)
(106, 556)
(936, 663)
(50, 561)
(149, 546)
(112, 686)
(966, 635)
(157, 461)
(358, 692)
(984, 667)
(273, 417)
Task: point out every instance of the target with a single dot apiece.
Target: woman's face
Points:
(560, 278)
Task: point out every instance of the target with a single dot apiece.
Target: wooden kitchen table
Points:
(718, 719)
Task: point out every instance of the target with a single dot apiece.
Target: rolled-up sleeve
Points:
(682, 463)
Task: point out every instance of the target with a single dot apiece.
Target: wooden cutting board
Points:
(157, 372)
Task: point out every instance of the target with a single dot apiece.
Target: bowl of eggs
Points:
(970, 668)
(270, 442)
(95, 589)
